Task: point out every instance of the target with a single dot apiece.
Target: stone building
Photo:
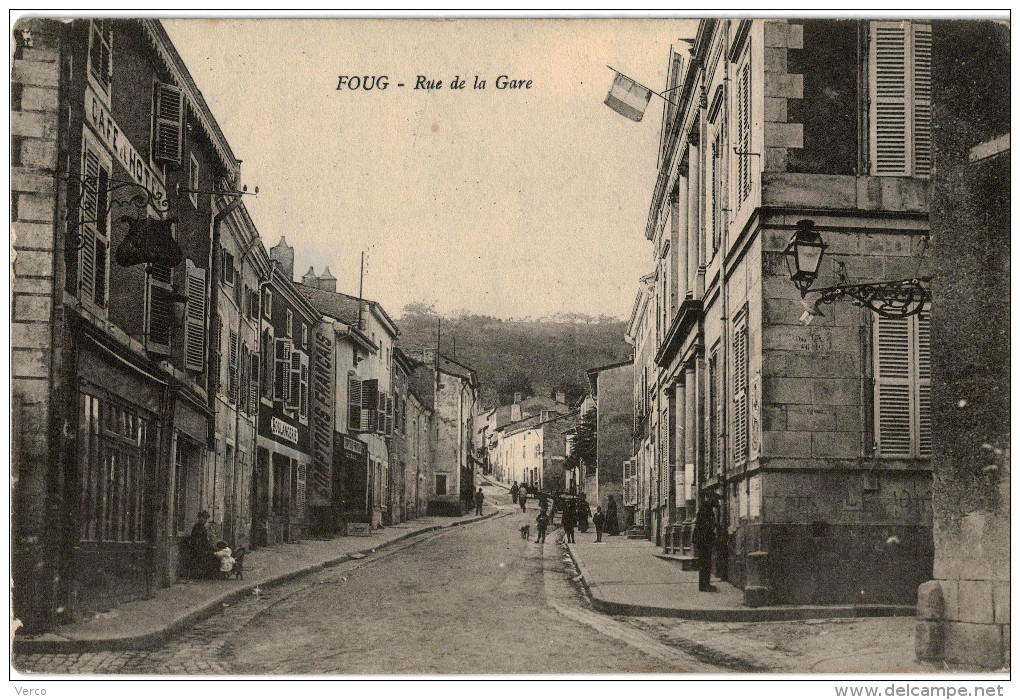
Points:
(646, 502)
(612, 387)
(815, 439)
(964, 610)
(115, 158)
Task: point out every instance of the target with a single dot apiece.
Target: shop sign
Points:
(354, 446)
(321, 474)
(97, 116)
(284, 430)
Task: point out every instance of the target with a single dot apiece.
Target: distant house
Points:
(613, 391)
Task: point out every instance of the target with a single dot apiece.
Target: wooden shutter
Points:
(283, 355)
(744, 131)
(169, 123)
(294, 397)
(369, 405)
(715, 464)
(740, 393)
(380, 421)
(389, 415)
(353, 403)
(101, 53)
(921, 97)
(232, 367)
(303, 409)
(93, 257)
(253, 385)
(159, 309)
(924, 433)
(893, 373)
(194, 321)
(889, 98)
(215, 356)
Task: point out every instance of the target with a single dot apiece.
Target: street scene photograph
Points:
(668, 348)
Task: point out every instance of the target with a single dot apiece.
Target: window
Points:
(101, 54)
(304, 336)
(267, 304)
(714, 414)
(193, 181)
(440, 484)
(740, 418)
(362, 408)
(290, 324)
(194, 321)
(168, 125)
(253, 384)
(227, 258)
(113, 471)
(718, 186)
(94, 228)
(900, 98)
(282, 370)
(159, 309)
(743, 146)
(902, 366)
(538, 450)
(232, 367)
(293, 400)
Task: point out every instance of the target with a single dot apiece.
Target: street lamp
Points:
(894, 299)
(804, 255)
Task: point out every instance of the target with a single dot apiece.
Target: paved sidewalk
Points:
(144, 623)
(625, 577)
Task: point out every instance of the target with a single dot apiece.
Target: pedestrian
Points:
(612, 518)
(543, 523)
(704, 539)
(514, 490)
(479, 499)
(599, 521)
(201, 562)
(583, 512)
(569, 521)
(522, 498)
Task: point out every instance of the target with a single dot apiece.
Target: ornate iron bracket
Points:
(895, 299)
(130, 194)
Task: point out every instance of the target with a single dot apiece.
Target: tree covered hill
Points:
(537, 357)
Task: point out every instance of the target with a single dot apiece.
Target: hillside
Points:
(537, 357)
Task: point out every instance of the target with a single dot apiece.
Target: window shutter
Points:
(369, 405)
(389, 415)
(924, 436)
(921, 55)
(892, 387)
(353, 404)
(744, 131)
(380, 421)
(169, 123)
(93, 257)
(194, 322)
(294, 396)
(232, 367)
(160, 309)
(215, 357)
(303, 410)
(253, 384)
(283, 353)
(888, 78)
(740, 394)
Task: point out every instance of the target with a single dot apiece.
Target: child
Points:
(224, 554)
(543, 523)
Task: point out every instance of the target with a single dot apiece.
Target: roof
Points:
(534, 421)
(448, 366)
(343, 307)
(596, 370)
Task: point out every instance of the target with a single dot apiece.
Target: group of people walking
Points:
(574, 516)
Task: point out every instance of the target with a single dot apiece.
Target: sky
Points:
(509, 203)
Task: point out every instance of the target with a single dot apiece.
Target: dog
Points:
(237, 570)
(526, 532)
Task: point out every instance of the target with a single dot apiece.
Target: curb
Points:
(773, 613)
(150, 639)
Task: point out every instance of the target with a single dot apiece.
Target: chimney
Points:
(310, 279)
(428, 356)
(284, 254)
(518, 397)
(327, 281)
(561, 397)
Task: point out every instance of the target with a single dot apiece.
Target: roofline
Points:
(596, 370)
(284, 284)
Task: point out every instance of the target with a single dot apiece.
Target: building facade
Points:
(815, 439)
(612, 388)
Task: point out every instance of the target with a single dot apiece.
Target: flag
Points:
(628, 98)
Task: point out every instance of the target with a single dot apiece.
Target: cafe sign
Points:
(98, 117)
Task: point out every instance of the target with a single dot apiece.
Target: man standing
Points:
(704, 539)
(479, 499)
(543, 524)
(569, 520)
(522, 498)
(599, 521)
(513, 492)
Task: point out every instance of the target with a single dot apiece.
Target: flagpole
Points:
(660, 94)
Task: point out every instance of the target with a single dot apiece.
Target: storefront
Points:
(281, 474)
(351, 460)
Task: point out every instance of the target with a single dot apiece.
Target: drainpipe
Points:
(215, 260)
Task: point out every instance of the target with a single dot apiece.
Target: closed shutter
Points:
(353, 403)
(921, 55)
(159, 309)
(294, 398)
(216, 356)
(740, 393)
(715, 464)
(194, 324)
(253, 385)
(924, 437)
(300, 496)
(101, 52)
(369, 405)
(282, 384)
(900, 86)
(232, 367)
(169, 123)
(93, 257)
(389, 415)
(893, 401)
(380, 424)
(744, 131)
(303, 410)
